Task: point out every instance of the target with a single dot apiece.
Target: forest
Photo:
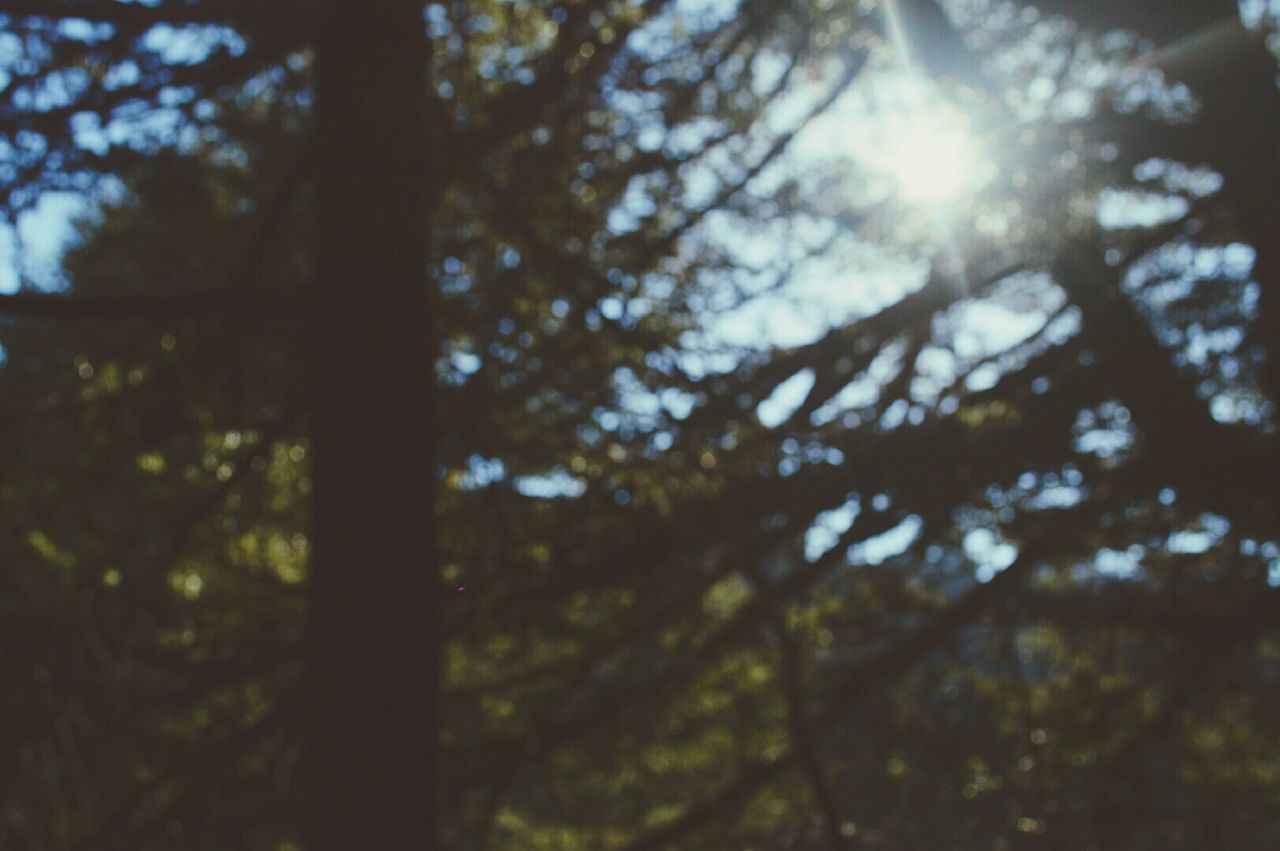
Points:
(639, 425)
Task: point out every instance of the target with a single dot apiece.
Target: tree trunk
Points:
(374, 644)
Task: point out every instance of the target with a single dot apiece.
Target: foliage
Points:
(949, 595)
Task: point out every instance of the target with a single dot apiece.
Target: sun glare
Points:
(932, 156)
(909, 140)
(927, 148)
(916, 143)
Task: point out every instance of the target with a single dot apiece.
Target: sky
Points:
(899, 135)
(35, 246)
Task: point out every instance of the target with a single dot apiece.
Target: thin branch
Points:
(132, 14)
(728, 799)
(194, 773)
(1240, 610)
(187, 305)
(861, 683)
(801, 732)
(779, 145)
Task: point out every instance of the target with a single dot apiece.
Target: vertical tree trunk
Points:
(374, 645)
(1241, 115)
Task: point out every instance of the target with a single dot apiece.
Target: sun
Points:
(933, 157)
(898, 136)
(928, 148)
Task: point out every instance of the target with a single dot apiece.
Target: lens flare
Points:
(932, 155)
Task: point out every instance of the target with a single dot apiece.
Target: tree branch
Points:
(801, 733)
(131, 14)
(861, 683)
(187, 305)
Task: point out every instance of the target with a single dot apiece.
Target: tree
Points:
(373, 577)
(118, 36)
(744, 628)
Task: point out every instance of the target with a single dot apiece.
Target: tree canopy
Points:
(545, 425)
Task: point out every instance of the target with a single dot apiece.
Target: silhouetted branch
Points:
(783, 141)
(607, 707)
(189, 306)
(193, 773)
(864, 680)
(728, 799)
(801, 733)
(131, 14)
(1177, 423)
(1203, 609)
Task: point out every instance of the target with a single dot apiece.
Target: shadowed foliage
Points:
(385, 465)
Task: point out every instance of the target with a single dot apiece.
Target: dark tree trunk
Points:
(1241, 119)
(374, 663)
